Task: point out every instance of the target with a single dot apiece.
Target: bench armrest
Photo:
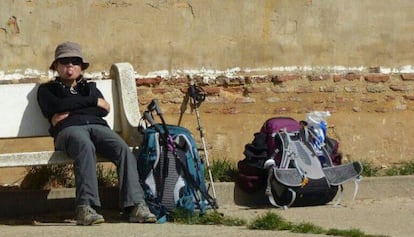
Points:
(123, 73)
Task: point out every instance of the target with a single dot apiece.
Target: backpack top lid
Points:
(274, 125)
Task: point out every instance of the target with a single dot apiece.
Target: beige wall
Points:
(176, 34)
(340, 42)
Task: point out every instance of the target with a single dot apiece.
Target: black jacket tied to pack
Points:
(54, 97)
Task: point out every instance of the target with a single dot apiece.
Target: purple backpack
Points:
(273, 126)
(252, 174)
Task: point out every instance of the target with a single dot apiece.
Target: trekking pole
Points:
(196, 99)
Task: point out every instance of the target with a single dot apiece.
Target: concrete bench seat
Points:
(21, 116)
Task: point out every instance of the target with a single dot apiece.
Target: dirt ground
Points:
(387, 217)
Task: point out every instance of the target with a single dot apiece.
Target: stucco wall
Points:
(257, 59)
(218, 35)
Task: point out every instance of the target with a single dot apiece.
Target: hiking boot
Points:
(86, 215)
(141, 214)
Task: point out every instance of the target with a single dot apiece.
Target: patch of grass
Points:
(61, 176)
(107, 176)
(223, 170)
(47, 177)
(350, 233)
(209, 218)
(272, 221)
(405, 168)
(307, 228)
(370, 170)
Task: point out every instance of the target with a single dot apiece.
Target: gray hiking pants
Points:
(81, 143)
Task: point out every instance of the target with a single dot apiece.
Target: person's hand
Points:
(103, 104)
(59, 117)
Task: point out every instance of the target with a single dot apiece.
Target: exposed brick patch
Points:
(339, 99)
(356, 109)
(295, 98)
(376, 89)
(322, 77)
(142, 91)
(179, 80)
(228, 82)
(304, 89)
(212, 90)
(400, 87)
(280, 89)
(234, 90)
(351, 89)
(283, 78)
(328, 89)
(389, 98)
(244, 100)
(148, 81)
(203, 90)
(159, 90)
(407, 76)
(256, 90)
(272, 100)
(376, 77)
(409, 97)
(258, 79)
(351, 76)
(368, 100)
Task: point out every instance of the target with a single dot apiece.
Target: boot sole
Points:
(146, 220)
(96, 222)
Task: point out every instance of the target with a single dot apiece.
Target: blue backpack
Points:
(171, 171)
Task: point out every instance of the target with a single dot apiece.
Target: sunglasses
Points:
(70, 60)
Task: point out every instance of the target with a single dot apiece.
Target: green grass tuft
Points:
(307, 228)
(209, 218)
(270, 221)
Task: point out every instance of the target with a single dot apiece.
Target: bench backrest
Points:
(21, 115)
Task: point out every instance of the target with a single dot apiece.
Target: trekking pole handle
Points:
(149, 118)
(192, 90)
(154, 106)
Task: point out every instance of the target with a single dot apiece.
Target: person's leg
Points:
(76, 143)
(111, 146)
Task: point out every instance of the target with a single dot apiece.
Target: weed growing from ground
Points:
(223, 170)
(272, 221)
(209, 218)
(46, 177)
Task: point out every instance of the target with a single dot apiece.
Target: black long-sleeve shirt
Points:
(54, 97)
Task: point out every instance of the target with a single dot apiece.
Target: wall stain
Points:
(13, 26)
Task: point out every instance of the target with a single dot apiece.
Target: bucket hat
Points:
(69, 49)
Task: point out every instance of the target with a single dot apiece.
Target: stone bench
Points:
(21, 116)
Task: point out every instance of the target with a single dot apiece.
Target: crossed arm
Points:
(57, 117)
(57, 108)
